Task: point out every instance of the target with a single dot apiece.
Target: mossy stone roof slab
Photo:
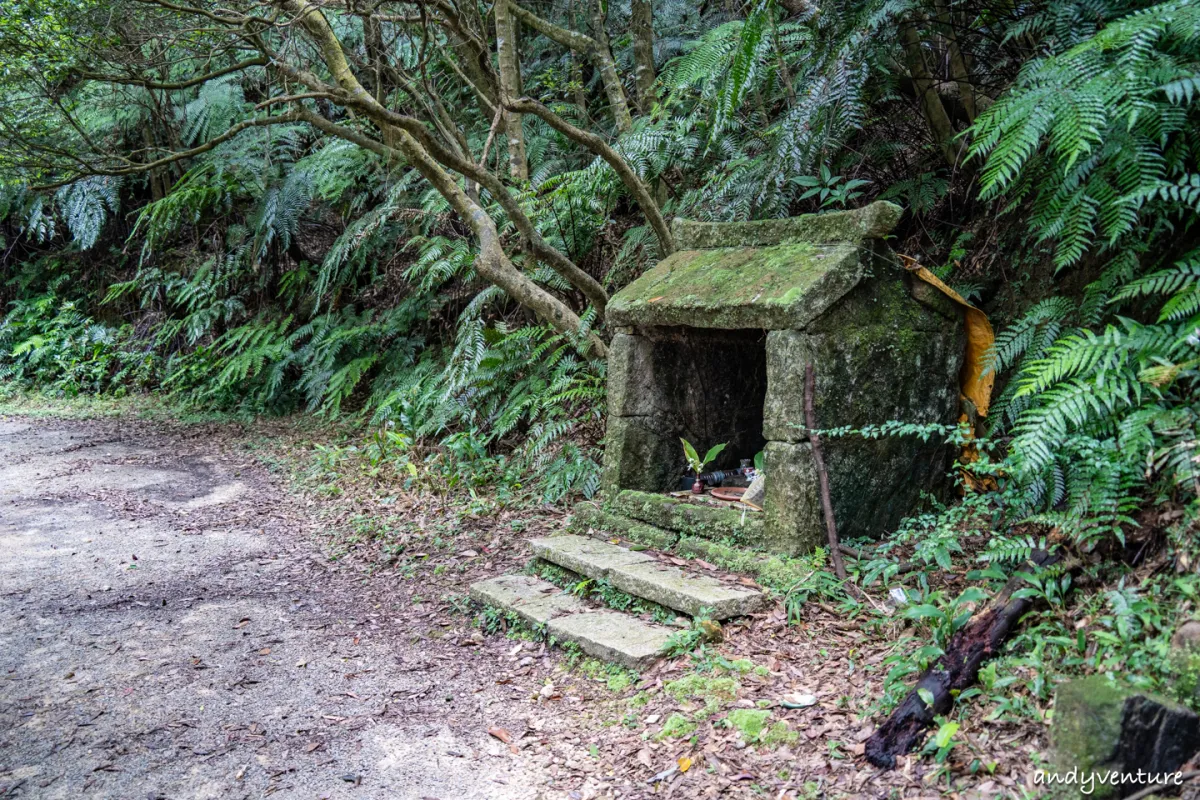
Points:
(771, 288)
(769, 274)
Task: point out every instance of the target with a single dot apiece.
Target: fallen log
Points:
(976, 642)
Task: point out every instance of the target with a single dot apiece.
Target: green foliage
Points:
(1095, 141)
(1095, 134)
(695, 462)
(46, 341)
(86, 205)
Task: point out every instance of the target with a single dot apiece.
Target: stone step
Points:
(743, 526)
(590, 520)
(532, 599)
(642, 575)
(608, 635)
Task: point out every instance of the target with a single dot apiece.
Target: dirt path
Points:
(165, 633)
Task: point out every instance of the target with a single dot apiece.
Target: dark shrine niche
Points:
(710, 387)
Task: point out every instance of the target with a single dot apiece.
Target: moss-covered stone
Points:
(693, 361)
(632, 389)
(588, 519)
(870, 222)
(793, 523)
(1101, 727)
(877, 356)
(770, 288)
(787, 354)
(725, 556)
(691, 518)
(639, 455)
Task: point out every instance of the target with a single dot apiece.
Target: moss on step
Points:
(588, 519)
(690, 518)
(774, 572)
(599, 590)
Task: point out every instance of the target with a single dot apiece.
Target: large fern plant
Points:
(1098, 145)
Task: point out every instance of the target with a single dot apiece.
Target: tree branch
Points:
(257, 61)
(134, 169)
(596, 49)
(492, 263)
(637, 188)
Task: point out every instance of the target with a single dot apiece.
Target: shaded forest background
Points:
(411, 214)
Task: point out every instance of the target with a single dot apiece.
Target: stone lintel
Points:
(873, 221)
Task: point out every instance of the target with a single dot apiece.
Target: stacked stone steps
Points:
(642, 575)
(604, 633)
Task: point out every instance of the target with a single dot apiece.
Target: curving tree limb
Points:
(636, 186)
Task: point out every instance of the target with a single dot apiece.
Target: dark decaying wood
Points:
(976, 642)
(810, 422)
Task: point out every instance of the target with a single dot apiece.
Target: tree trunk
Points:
(959, 69)
(158, 183)
(595, 47)
(579, 89)
(608, 70)
(469, 68)
(510, 87)
(643, 52)
(931, 104)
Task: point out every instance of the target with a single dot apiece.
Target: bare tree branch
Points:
(257, 61)
(637, 188)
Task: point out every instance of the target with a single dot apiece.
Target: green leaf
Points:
(713, 453)
(972, 594)
(924, 611)
(945, 734)
(690, 453)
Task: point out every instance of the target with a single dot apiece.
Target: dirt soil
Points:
(177, 620)
(168, 631)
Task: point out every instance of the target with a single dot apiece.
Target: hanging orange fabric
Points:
(976, 379)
